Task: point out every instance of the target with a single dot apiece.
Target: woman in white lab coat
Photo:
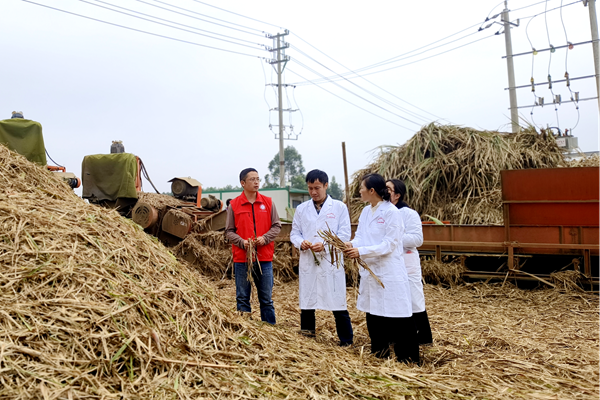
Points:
(322, 285)
(413, 238)
(378, 241)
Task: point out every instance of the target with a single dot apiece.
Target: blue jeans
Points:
(264, 287)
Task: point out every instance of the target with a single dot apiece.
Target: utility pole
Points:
(281, 59)
(596, 50)
(514, 113)
(280, 106)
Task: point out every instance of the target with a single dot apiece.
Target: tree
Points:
(335, 189)
(294, 170)
(220, 189)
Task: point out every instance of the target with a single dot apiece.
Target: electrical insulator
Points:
(567, 77)
(541, 100)
(552, 49)
(549, 81)
(532, 84)
(534, 51)
(577, 96)
(557, 98)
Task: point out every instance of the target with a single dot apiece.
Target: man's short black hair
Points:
(245, 173)
(317, 175)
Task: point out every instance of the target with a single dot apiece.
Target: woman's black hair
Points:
(399, 188)
(376, 181)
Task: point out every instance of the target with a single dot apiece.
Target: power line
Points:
(167, 25)
(177, 23)
(141, 31)
(349, 102)
(239, 15)
(200, 19)
(404, 56)
(363, 89)
(422, 59)
(359, 96)
(370, 81)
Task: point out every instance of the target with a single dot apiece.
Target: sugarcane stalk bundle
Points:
(336, 247)
(251, 257)
(453, 173)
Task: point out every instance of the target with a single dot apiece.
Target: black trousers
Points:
(399, 332)
(423, 328)
(343, 324)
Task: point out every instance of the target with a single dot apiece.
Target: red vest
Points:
(252, 220)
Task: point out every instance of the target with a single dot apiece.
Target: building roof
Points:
(287, 189)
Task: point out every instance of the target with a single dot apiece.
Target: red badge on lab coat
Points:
(380, 220)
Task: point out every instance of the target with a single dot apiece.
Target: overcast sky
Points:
(188, 110)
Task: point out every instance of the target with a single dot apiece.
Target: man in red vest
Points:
(253, 216)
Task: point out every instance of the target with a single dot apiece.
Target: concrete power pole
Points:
(596, 50)
(281, 58)
(514, 113)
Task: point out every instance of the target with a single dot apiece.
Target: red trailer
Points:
(553, 211)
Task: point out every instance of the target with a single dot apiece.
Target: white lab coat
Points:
(413, 238)
(323, 286)
(379, 242)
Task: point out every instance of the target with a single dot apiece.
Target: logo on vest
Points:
(380, 220)
(331, 215)
(262, 207)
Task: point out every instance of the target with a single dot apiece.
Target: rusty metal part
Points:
(551, 196)
(184, 187)
(144, 215)
(211, 203)
(214, 222)
(177, 223)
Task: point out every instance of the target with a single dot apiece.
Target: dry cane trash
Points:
(92, 307)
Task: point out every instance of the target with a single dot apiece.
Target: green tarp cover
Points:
(24, 137)
(109, 176)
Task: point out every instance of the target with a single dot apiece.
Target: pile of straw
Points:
(489, 342)
(441, 273)
(285, 262)
(210, 254)
(159, 201)
(567, 281)
(589, 161)
(93, 307)
(453, 173)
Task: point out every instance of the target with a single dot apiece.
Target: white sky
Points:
(193, 111)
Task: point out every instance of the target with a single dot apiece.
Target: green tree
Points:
(294, 170)
(335, 190)
(219, 189)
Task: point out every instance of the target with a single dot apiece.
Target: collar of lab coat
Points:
(326, 205)
(382, 207)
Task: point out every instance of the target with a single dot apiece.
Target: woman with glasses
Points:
(378, 243)
(412, 238)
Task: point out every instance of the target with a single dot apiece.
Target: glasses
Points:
(253, 180)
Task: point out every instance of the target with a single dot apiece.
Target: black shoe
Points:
(345, 344)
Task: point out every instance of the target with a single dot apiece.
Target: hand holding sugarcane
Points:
(338, 247)
(350, 251)
(251, 255)
(306, 245)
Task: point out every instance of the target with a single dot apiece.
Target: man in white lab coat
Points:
(322, 285)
